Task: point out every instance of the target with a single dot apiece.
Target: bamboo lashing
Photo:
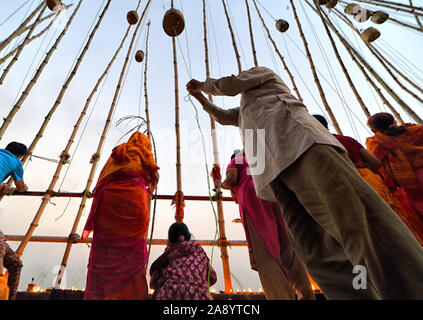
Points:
(21, 47)
(250, 29)
(21, 28)
(31, 84)
(237, 56)
(343, 67)
(382, 82)
(313, 69)
(216, 166)
(360, 66)
(95, 159)
(40, 211)
(285, 66)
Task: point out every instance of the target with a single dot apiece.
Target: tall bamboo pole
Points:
(313, 69)
(31, 84)
(382, 82)
(410, 6)
(405, 24)
(11, 53)
(360, 66)
(147, 111)
(343, 67)
(20, 29)
(250, 29)
(96, 157)
(396, 8)
(291, 77)
(39, 213)
(237, 56)
(21, 47)
(216, 165)
(385, 62)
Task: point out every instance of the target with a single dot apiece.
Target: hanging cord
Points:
(14, 12)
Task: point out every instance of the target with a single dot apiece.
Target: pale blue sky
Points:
(40, 260)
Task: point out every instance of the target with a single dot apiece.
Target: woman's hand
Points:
(154, 181)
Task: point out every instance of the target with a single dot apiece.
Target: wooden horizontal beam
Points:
(163, 242)
(80, 195)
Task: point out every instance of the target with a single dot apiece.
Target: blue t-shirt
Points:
(10, 165)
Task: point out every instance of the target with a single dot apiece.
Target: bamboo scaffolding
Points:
(20, 29)
(20, 48)
(291, 77)
(38, 215)
(356, 59)
(11, 53)
(416, 16)
(380, 4)
(343, 67)
(250, 29)
(313, 69)
(157, 242)
(96, 157)
(379, 79)
(405, 24)
(237, 56)
(410, 6)
(147, 111)
(385, 63)
(220, 214)
(31, 84)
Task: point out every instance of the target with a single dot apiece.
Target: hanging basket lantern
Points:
(282, 25)
(173, 22)
(139, 56)
(370, 34)
(132, 17)
(352, 8)
(362, 14)
(51, 4)
(380, 17)
(331, 4)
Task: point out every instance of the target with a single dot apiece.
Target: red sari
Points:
(119, 218)
(402, 170)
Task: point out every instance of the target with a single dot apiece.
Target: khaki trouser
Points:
(337, 221)
(279, 276)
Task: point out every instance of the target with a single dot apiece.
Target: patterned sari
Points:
(119, 218)
(402, 158)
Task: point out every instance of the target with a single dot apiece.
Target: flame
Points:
(212, 290)
(151, 291)
(36, 289)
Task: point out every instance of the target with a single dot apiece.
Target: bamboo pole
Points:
(237, 56)
(410, 6)
(385, 63)
(356, 59)
(31, 84)
(38, 215)
(405, 24)
(291, 77)
(384, 5)
(96, 157)
(220, 214)
(343, 67)
(250, 28)
(20, 29)
(157, 242)
(21, 47)
(147, 111)
(11, 53)
(416, 16)
(382, 82)
(313, 69)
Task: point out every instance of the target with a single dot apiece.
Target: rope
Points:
(14, 12)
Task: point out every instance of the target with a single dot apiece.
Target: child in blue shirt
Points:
(10, 165)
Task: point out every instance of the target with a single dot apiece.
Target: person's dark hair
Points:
(384, 122)
(322, 120)
(177, 230)
(16, 148)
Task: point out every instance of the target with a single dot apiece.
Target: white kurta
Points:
(289, 130)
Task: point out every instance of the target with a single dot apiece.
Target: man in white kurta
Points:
(353, 245)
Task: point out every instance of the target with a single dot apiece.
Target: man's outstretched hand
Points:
(194, 85)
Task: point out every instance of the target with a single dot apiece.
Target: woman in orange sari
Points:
(400, 148)
(119, 218)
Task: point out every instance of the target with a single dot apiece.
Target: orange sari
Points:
(119, 217)
(402, 157)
